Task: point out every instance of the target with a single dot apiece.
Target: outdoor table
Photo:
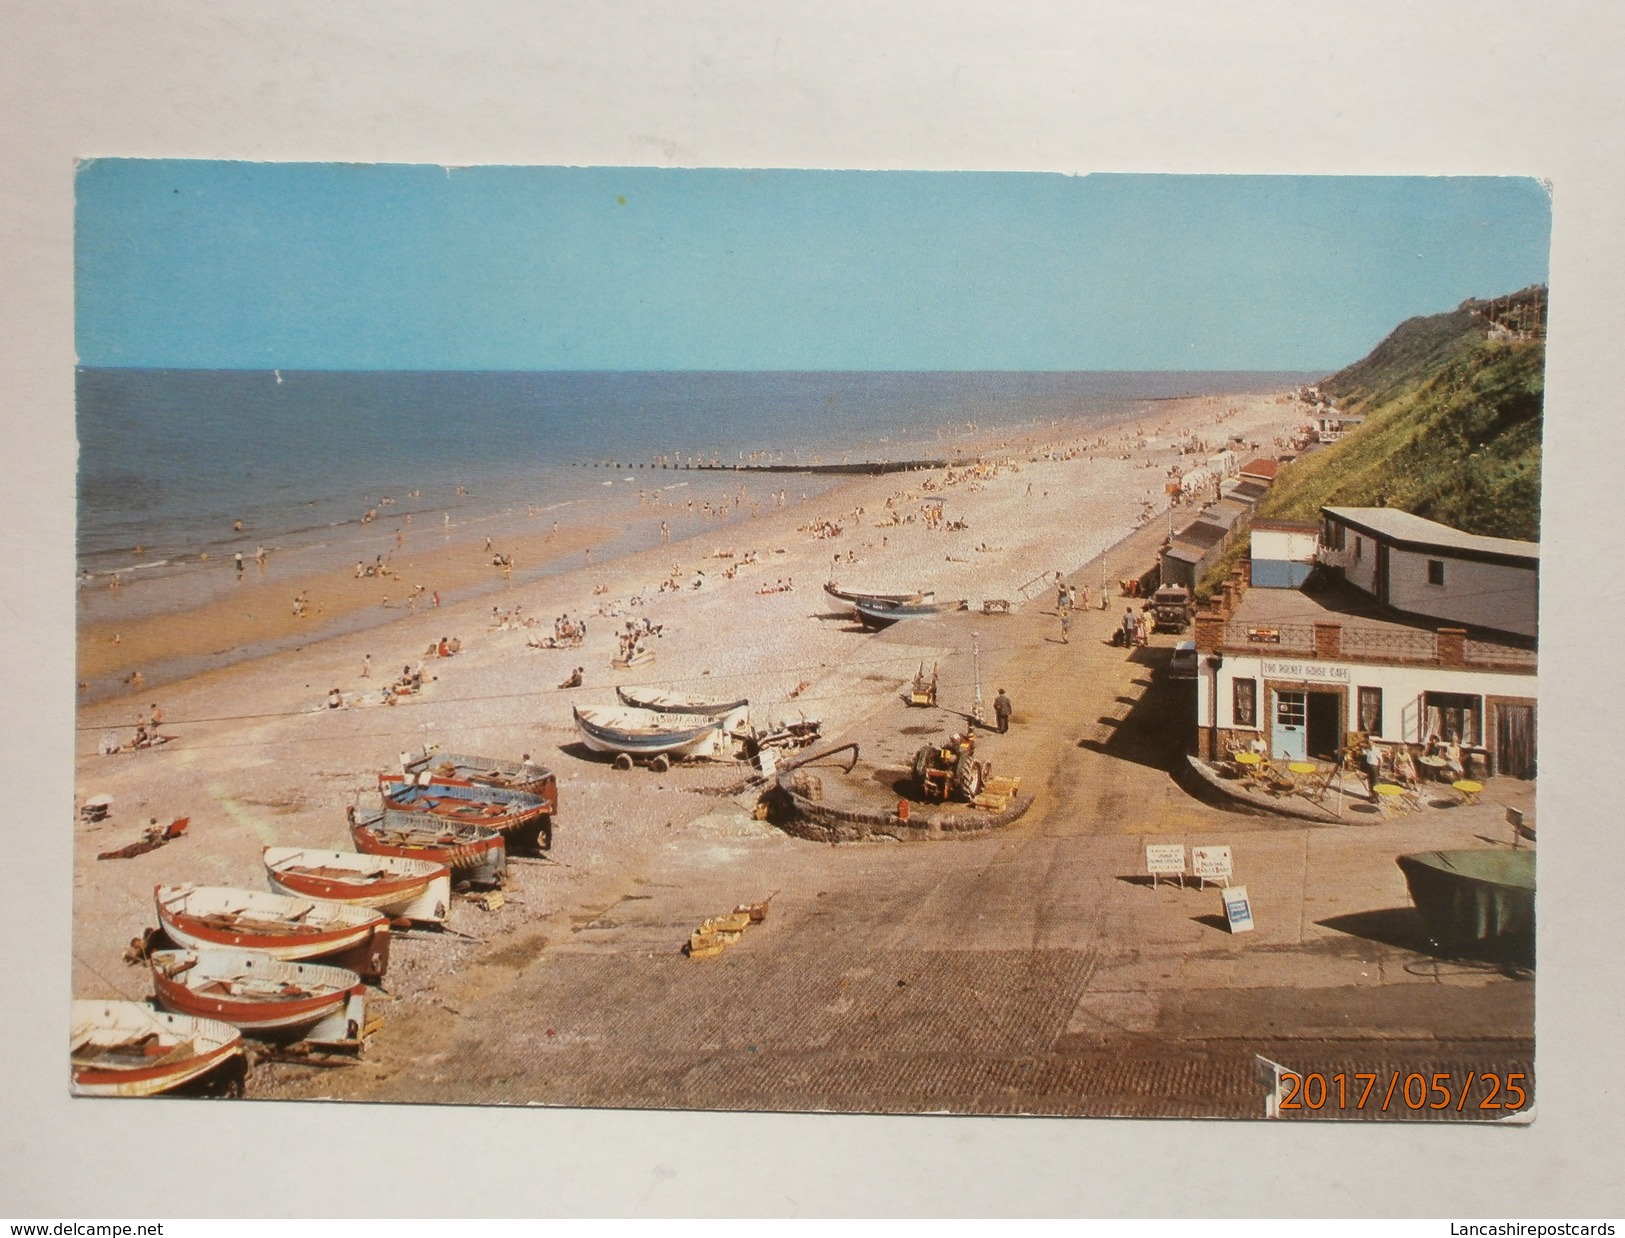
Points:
(1248, 758)
(1468, 790)
(1435, 765)
(1299, 770)
(1390, 796)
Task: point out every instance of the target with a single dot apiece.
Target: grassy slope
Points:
(1452, 433)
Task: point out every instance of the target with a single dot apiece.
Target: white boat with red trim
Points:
(262, 995)
(283, 925)
(414, 889)
(122, 1048)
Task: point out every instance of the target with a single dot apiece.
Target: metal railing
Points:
(1482, 651)
(1390, 644)
(1299, 637)
(1371, 644)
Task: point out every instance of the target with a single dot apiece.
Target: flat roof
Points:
(1401, 528)
(1344, 604)
(1262, 467)
(1201, 534)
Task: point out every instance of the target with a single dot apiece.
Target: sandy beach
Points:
(257, 758)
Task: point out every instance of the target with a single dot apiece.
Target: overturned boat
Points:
(658, 703)
(525, 820)
(475, 854)
(412, 888)
(122, 1048)
(282, 925)
(262, 995)
(881, 614)
(1478, 900)
(854, 595)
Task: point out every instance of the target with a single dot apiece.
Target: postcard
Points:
(808, 641)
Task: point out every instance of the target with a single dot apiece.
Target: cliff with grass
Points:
(1453, 407)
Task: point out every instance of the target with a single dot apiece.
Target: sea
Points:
(171, 460)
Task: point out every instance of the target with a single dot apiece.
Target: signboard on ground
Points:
(1211, 864)
(1165, 860)
(1238, 910)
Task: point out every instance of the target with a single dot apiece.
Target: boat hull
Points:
(282, 926)
(260, 995)
(883, 614)
(473, 854)
(122, 1048)
(411, 889)
(485, 772)
(853, 595)
(664, 705)
(605, 736)
(524, 819)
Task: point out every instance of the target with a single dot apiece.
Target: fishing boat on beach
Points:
(123, 1048)
(525, 820)
(875, 614)
(855, 595)
(658, 703)
(262, 995)
(282, 925)
(411, 888)
(475, 854)
(641, 735)
(483, 771)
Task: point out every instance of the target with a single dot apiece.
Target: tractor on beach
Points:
(951, 770)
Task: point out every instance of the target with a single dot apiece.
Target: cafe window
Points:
(1435, 571)
(1454, 716)
(1371, 710)
(1244, 704)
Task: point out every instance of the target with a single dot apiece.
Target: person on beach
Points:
(335, 699)
(575, 679)
(366, 666)
(259, 555)
(157, 716)
(1002, 708)
(1066, 627)
(239, 557)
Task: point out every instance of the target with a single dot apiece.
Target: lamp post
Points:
(976, 676)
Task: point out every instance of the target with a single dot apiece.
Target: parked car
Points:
(1171, 608)
(1183, 664)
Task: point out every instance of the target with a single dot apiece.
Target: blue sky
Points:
(201, 264)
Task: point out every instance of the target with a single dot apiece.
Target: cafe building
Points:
(1404, 652)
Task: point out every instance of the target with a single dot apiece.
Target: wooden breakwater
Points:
(865, 468)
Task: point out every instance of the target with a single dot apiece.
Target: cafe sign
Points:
(1318, 672)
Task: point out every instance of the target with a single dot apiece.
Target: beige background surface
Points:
(1450, 87)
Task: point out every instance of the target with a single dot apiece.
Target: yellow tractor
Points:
(950, 771)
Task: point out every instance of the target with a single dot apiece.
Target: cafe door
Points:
(1514, 739)
(1325, 729)
(1289, 729)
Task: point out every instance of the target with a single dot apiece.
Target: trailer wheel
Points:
(967, 777)
(623, 760)
(660, 764)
